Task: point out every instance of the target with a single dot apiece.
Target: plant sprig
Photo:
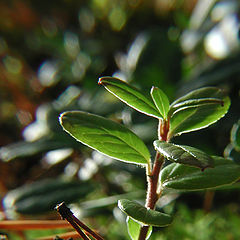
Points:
(195, 110)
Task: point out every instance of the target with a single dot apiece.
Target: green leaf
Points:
(134, 229)
(197, 110)
(184, 154)
(181, 177)
(201, 93)
(143, 215)
(106, 136)
(26, 149)
(161, 101)
(194, 103)
(42, 196)
(130, 95)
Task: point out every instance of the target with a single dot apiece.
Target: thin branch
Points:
(66, 213)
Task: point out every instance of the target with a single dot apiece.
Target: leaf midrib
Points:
(104, 129)
(145, 101)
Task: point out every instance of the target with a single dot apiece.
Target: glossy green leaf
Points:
(161, 101)
(184, 154)
(194, 103)
(106, 136)
(143, 215)
(181, 177)
(134, 229)
(197, 110)
(201, 93)
(130, 95)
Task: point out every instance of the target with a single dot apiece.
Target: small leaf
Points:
(181, 177)
(143, 215)
(184, 154)
(130, 95)
(134, 229)
(197, 110)
(106, 136)
(161, 101)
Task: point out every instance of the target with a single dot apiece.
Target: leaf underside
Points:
(134, 229)
(106, 136)
(143, 215)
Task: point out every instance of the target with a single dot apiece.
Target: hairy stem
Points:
(152, 195)
(153, 176)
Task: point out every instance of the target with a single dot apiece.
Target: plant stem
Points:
(152, 195)
(153, 176)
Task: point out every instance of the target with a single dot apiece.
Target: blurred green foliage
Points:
(51, 56)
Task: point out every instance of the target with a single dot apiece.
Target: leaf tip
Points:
(61, 117)
(100, 81)
(153, 88)
(120, 204)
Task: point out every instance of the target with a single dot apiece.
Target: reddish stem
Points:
(152, 178)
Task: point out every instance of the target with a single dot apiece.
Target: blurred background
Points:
(51, 56)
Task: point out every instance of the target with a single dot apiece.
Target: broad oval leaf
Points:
(143, 215)
(106, 136)
(134, 229)
(181, 177)
(184, 154)
(197, 110)
(130, 95)
(161, 101)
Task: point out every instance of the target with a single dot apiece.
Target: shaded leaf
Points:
(197, 110)
(232, 152)
(26, 149)
(106, 136)
(130, 95)
(181, 177)
(143, 215)
(161, 101)
(184, 154)
(134, 229)
(42, 196)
